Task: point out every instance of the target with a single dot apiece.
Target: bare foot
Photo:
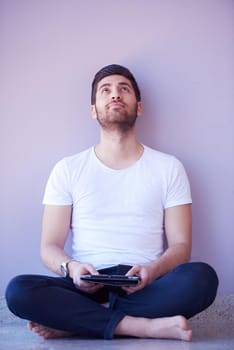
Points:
(176, 327)
(46, 332)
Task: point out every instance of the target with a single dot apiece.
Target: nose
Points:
(115, 98)
(115, 95)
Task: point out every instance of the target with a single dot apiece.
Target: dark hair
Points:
(113, 69)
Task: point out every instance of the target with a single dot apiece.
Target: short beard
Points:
(117, 121)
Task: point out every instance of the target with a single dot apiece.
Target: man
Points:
(119, 198)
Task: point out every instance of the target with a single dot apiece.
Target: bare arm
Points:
(178, 230)
(55, 227)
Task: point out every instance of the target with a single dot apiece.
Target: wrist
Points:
(65, 267)
(154, 270)
(71, 265)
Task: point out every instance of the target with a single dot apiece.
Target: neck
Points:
(118, 150)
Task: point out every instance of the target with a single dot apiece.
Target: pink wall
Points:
(181, 53)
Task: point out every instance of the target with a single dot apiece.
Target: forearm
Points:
(55, 228)
(52, 256)
(175, 255)
(178, 230)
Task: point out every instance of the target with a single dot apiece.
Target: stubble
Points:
(117, 119)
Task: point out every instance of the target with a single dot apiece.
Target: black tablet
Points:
(112, 280)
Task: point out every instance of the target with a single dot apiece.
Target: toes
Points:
(31, 325)
(185, 335)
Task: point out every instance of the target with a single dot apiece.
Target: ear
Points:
(139, 108)
(93, 112)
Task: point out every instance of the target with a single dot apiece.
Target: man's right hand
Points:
(76, 270)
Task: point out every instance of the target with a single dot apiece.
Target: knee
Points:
(206, 280)
(16, 293)
(201, 280)
(207, 274)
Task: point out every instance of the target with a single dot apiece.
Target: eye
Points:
(125, 89)
(105, 90)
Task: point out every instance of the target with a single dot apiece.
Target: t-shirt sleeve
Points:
(57, 190)
(178, 189)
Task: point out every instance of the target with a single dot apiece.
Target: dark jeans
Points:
(55, 302)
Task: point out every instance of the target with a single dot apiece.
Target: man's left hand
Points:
(145, 274)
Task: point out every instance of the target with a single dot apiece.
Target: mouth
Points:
(115, 105)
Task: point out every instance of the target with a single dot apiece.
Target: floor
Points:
(212, 329)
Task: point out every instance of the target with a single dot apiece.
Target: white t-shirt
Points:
(117, 215)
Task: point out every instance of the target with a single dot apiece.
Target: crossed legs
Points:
(56, 308)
